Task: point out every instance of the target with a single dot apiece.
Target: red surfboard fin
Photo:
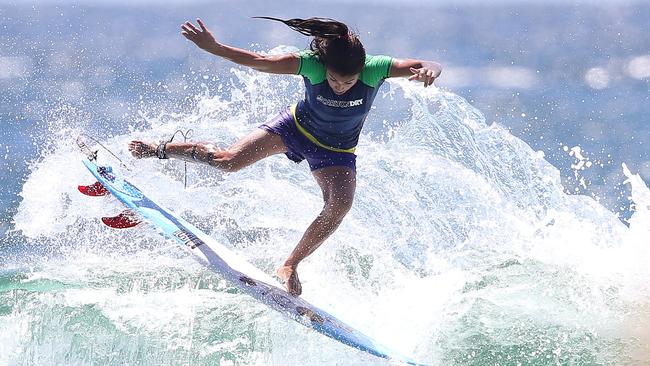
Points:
(124, 220)
(94, 190)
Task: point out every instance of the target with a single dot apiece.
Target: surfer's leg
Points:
(338, 184)
(255, 146)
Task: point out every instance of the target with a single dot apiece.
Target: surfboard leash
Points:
(185, 135)
(92, 155)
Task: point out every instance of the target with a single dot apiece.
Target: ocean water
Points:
(465, 245)
(462, 248)
(557, 75)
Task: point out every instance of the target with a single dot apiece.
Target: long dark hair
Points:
(338, 48)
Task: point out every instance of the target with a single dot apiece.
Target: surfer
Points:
(341, 82)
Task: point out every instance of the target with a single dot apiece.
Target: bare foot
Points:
(289, 276)
(141, 149)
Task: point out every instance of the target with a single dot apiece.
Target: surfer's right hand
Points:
(201, 37)
(141, 149)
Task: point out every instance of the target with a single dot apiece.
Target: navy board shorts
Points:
(300, 148)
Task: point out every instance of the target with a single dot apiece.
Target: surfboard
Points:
(238, 272)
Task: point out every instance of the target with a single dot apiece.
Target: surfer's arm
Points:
(274, 64)
(425, 71)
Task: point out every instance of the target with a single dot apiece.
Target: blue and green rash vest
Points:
(334, 121)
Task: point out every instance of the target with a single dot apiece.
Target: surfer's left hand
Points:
(426, 74)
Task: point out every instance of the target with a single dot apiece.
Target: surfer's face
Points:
(341, 83)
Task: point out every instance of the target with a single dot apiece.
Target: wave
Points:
(461, 247)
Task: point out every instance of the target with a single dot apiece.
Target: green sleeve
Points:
(311, 67)
(377, 68)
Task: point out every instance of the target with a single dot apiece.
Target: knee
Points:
(338, 207)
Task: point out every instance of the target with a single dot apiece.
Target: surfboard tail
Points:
(126, 219)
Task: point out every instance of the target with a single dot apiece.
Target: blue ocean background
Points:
(495, 223)
(555, 74)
